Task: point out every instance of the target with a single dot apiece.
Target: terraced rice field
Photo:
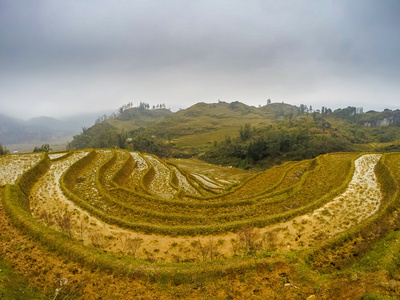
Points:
(13, 166)
(47, 193)
(131, 205)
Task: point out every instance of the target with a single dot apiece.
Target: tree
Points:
(257, 149)
(43, 148)
(131, 245)
(325, 125)
(3, 150)
(303, 108)
(64, 221)
(250, 240)
(143, 106)
(245, 132)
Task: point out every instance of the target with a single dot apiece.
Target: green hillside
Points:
(113, 131)
(244, 136)
(203, 123)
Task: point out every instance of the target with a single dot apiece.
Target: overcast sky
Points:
(63, 57)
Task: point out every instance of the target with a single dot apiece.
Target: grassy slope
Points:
(203, 123)
(135, 118)
(14, 286)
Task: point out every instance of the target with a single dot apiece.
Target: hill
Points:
(241, 135)
(203, 123)
(114, 130)
(11, 129)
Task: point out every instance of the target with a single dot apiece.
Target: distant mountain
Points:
(11, 129)
(42, 129)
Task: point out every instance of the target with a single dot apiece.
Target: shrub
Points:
(250, 240)
(64, 221)
(99, 240)
(131, 245)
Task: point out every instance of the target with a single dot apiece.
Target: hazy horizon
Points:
(109, 112)
(62, 117)
(65, 58)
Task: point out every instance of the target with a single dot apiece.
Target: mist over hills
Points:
(42, 129)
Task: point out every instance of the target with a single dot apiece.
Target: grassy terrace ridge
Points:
(113, 166)
(160, 184)
(265, 182)
(125, 176)
(176, 221)
(222, 206)
(138, 168)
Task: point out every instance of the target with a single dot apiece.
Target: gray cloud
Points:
(75, 56)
